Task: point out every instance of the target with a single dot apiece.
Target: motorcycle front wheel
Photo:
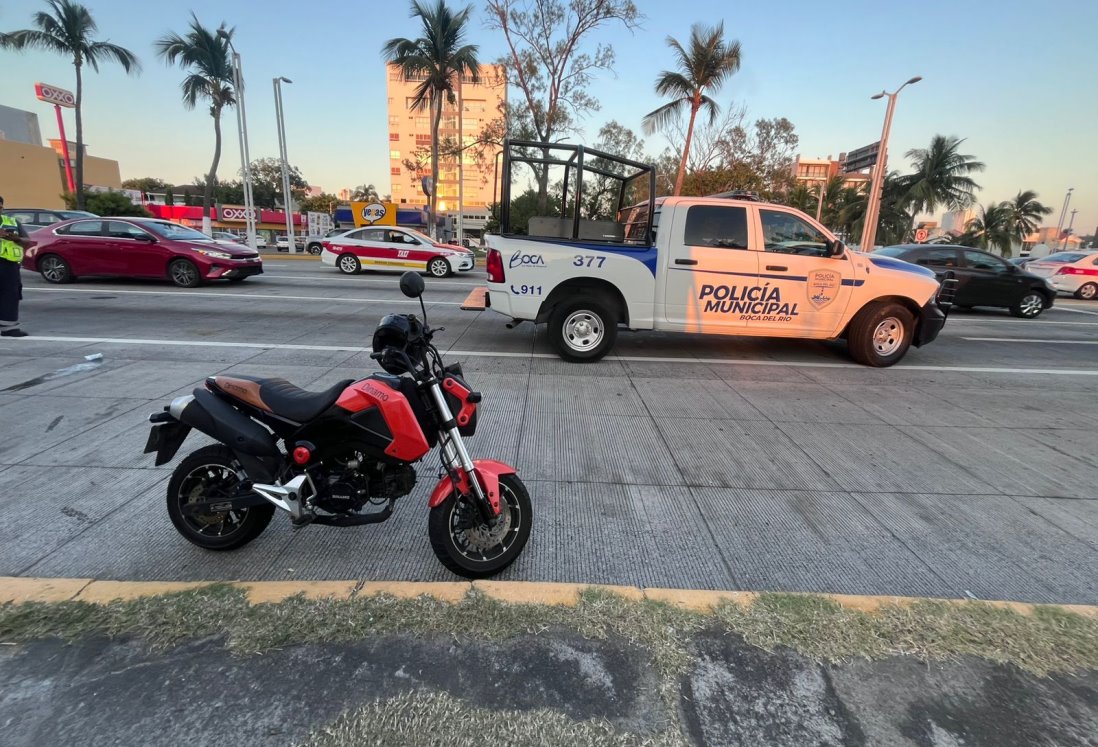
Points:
(211, 474)
(470, 548)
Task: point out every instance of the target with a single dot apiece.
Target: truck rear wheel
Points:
(880, 334)
(583, 330)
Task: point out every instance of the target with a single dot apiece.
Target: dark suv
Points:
(34, 218)
(982, 278)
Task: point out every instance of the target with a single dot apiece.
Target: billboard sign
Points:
(236, 214)
(319, 223)
(862, 158)
(54, 95)
(374, 213)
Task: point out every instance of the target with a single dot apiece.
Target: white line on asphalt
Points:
(955, 321)
(490, 354)
(266, 296)
(392, 282)
(1025, 339)
(1074, 310)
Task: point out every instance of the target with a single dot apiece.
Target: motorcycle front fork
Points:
(454, 453)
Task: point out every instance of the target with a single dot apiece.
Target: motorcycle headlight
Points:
(214, 254)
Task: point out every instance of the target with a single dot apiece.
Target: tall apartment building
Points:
(813, 171)
(410, 134)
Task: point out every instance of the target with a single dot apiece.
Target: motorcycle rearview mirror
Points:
(411, 284)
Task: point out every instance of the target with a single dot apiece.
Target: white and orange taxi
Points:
(393, 248)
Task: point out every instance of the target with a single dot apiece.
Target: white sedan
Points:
(391, 248)
(1070, 272)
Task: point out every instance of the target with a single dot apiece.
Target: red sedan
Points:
(137, 247)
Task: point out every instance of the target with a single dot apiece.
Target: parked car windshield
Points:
(70, 214)
(174, 231)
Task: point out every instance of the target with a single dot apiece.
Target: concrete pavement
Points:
(684, 461)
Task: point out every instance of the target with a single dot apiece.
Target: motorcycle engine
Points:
(349, 484)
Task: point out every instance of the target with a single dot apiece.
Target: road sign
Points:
(862, 158)
(921, 235)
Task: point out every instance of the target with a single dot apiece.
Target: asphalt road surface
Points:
(971, 470)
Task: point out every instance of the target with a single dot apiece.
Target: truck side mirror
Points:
(835, 248)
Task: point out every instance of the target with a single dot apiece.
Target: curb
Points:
(17, 589)
(287, 255)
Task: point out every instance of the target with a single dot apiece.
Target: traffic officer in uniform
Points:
(13, 240)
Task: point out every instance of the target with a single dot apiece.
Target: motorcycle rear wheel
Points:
(210, 473)
(469, 548)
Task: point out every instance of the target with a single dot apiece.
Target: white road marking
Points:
(953, 320)
(490, 354)
(266, 296)
(392, 282)
(1027, 339)
(1073, 310)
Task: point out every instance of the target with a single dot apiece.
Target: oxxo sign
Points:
(54, 95)
(236, 214)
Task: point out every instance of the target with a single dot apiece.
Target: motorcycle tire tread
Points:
(256, 521)
(439, 533)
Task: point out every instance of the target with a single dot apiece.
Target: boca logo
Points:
(526, 260)
(823, 287)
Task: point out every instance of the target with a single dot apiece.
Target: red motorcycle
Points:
(344, 452)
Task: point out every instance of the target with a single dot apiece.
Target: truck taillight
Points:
(495, 266)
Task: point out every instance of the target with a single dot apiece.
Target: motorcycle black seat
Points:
(279, 396)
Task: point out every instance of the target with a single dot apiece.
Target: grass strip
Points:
(1049, 640)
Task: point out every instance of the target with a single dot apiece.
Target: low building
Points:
(271, 223)
(34, 174)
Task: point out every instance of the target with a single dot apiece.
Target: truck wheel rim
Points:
(348, 264)
(888, 336)
(583, 331)
(1031, 305)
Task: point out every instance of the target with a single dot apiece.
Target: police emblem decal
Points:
(823, 286)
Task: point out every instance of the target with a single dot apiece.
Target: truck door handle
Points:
(777, 268)
(686, 261)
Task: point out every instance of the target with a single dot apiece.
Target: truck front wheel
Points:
(880, 334)
(583, 330)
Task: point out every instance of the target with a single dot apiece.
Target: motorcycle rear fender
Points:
(488, 472)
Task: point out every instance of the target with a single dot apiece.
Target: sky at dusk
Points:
(1019, 81)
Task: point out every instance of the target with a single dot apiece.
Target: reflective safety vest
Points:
(9, 250)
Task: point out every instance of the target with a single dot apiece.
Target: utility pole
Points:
(287, 194)
(873, 207)
(242, 131)
(1070, 224)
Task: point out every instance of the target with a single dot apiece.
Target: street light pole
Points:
(873, 207)
(1063, 212)
(242, 134)
(1070, 224)
(461, 163)
(287, 195)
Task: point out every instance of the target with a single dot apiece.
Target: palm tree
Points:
(942, 176)
(992, 228)
(67, 29)
(205, 55)
(1025, 214)
(365, 193)
(802, 197)
(439, 60)
(706, 66)
(894, 221)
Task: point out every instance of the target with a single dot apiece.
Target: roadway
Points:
(682, 460)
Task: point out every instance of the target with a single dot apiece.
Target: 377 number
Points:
(581, 261)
